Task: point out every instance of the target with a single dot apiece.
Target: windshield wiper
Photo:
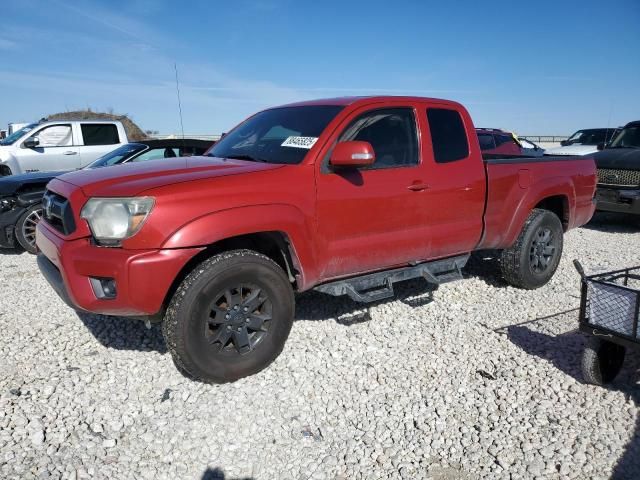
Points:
(247, 157)
(626, 146)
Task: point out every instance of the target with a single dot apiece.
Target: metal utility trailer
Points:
(609, 314)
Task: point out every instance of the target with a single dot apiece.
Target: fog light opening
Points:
(104, 288)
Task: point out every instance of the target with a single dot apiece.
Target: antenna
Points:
(175, 67)
(606, 138)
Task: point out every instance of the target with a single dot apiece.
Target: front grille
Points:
(627, 178)
(56, 210)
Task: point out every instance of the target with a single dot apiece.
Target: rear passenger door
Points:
(456, 179)
(97, 140)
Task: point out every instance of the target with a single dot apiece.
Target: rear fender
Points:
(221, 225)
(536, 193)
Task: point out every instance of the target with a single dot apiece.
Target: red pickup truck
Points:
(345, 195)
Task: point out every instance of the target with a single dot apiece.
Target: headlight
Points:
(114, 219)
(6, 204)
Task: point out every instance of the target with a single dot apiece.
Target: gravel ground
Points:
(472, 380)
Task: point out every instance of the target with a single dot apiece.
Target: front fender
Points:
(10, 162)
(214, 227)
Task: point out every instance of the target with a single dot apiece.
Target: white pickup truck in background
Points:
(59, 145)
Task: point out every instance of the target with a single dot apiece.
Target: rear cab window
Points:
(448, 135)
(99, 134)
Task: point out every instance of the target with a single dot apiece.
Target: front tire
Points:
(230, 317)
(533, 259)
(26, 228)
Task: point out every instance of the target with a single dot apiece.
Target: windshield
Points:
(628, 137)
(592, 136)
(118, 155)
(280, 135)
(11, 139)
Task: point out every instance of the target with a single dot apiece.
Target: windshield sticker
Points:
(300, 142)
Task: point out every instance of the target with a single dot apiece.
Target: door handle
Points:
(418, 187)
(70, 152)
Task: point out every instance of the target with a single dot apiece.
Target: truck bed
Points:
(515, 182)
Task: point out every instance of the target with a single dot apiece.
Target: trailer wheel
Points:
(601, 361)
(533, 259)
(230, 317)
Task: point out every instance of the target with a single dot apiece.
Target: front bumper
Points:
(143, 277)
(618, 200)
(8, 220)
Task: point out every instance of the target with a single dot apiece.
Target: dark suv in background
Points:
(619, 172)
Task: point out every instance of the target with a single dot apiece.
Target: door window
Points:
(392, 134)
(55, 136)
(99, 134)
(156, 153)
(448, 135)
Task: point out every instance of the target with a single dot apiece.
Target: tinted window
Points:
(99, 134)
(54, 136)
(486, 141)
(392, 134)
(17, 134)
(156, 153)
(628, 137)
(448, 135)
(118, 155)
(502, 139)
(279, 135)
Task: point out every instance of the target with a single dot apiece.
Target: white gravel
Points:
(482, 382)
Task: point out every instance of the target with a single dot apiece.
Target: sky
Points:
(536, 68)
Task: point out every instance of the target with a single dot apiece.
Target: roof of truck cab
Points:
(367, 99)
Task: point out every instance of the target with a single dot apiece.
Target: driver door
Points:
(55, 150)
(374, 217)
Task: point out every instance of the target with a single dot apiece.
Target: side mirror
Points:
(564, 143)
(352, 154)
(31, 142)
(600, 146)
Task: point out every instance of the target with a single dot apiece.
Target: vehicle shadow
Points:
(484, 264)
(123, 333)
(316, 306)
(564, 351)
(218, 474)
(12, 251)
(610, 222)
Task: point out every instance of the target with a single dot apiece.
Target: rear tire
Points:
(533, 259)
(230, 317)
(26, 228)
(601, 361)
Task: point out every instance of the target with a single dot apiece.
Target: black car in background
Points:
(618, 167)
(21, 195)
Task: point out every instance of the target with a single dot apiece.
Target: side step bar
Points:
(377, 286)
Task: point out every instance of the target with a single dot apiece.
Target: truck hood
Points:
(618, 158)
(132, 179)
(572, 150)
(11, 184)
